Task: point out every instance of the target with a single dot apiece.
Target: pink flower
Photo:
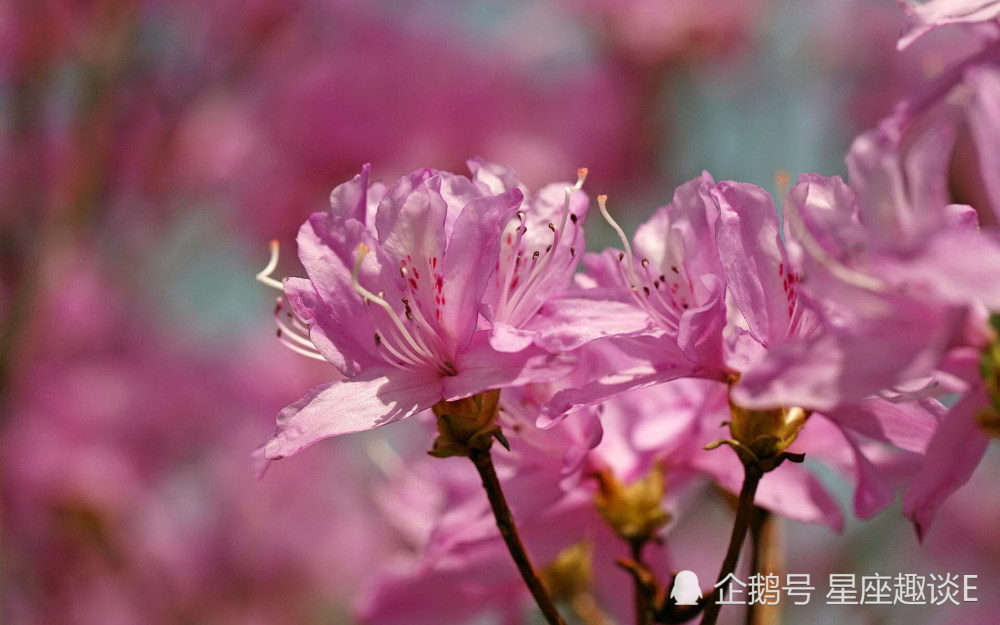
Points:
(723, 301)
(397, 281)
(904, 315)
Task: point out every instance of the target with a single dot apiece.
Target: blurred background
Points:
(149, 149)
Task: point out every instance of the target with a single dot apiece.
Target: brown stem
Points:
(744, 518)
(643, 613)
(505, 523)
(767, 558)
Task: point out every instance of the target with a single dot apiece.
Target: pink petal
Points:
(952, 456)
(566, 323)
(350, 199)
(909, 425)
(983, 115)
(470, 260)
(753, 258)
(481, 367)
(376, 397)
(699, 335)
(507, 338)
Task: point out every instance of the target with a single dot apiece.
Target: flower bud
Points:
(634, 512)
(571, 573)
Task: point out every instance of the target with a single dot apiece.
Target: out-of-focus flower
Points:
(651, 33)
(127, 495)
(926, 15)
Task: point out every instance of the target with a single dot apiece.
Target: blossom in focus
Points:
(395, 288)
(719, 297)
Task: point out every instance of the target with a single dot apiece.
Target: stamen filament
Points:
(264, 276)
(602, 204)
(292, 333)
(539, 269)
(420, 350)
(300, 350)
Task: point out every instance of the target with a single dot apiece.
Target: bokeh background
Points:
(149, 150)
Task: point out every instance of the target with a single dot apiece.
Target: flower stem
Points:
(505, 523)
(765, 534)
(744, 519)
(643, 613)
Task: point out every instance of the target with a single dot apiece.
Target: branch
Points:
(505, 523)
(744, 517)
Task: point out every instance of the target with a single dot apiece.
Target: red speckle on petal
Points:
(416, 273)
(439, 283)
(413, 283)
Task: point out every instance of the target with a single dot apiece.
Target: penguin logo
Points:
(686, 590)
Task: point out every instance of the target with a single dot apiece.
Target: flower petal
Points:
(470, 260)
(350, 199)
(753, 258)
(952, 456)
(481, 367)
(909, 425)
(378, 396)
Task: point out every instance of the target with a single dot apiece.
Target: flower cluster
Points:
(858, 329)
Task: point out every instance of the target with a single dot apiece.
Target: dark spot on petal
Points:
(573, 218)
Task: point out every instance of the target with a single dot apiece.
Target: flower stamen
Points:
(264, 276)
(415, 351)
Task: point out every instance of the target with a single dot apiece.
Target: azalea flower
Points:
(905, 313)
(722, 297)
(397, 279)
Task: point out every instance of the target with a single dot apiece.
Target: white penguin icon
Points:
(686, 590)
